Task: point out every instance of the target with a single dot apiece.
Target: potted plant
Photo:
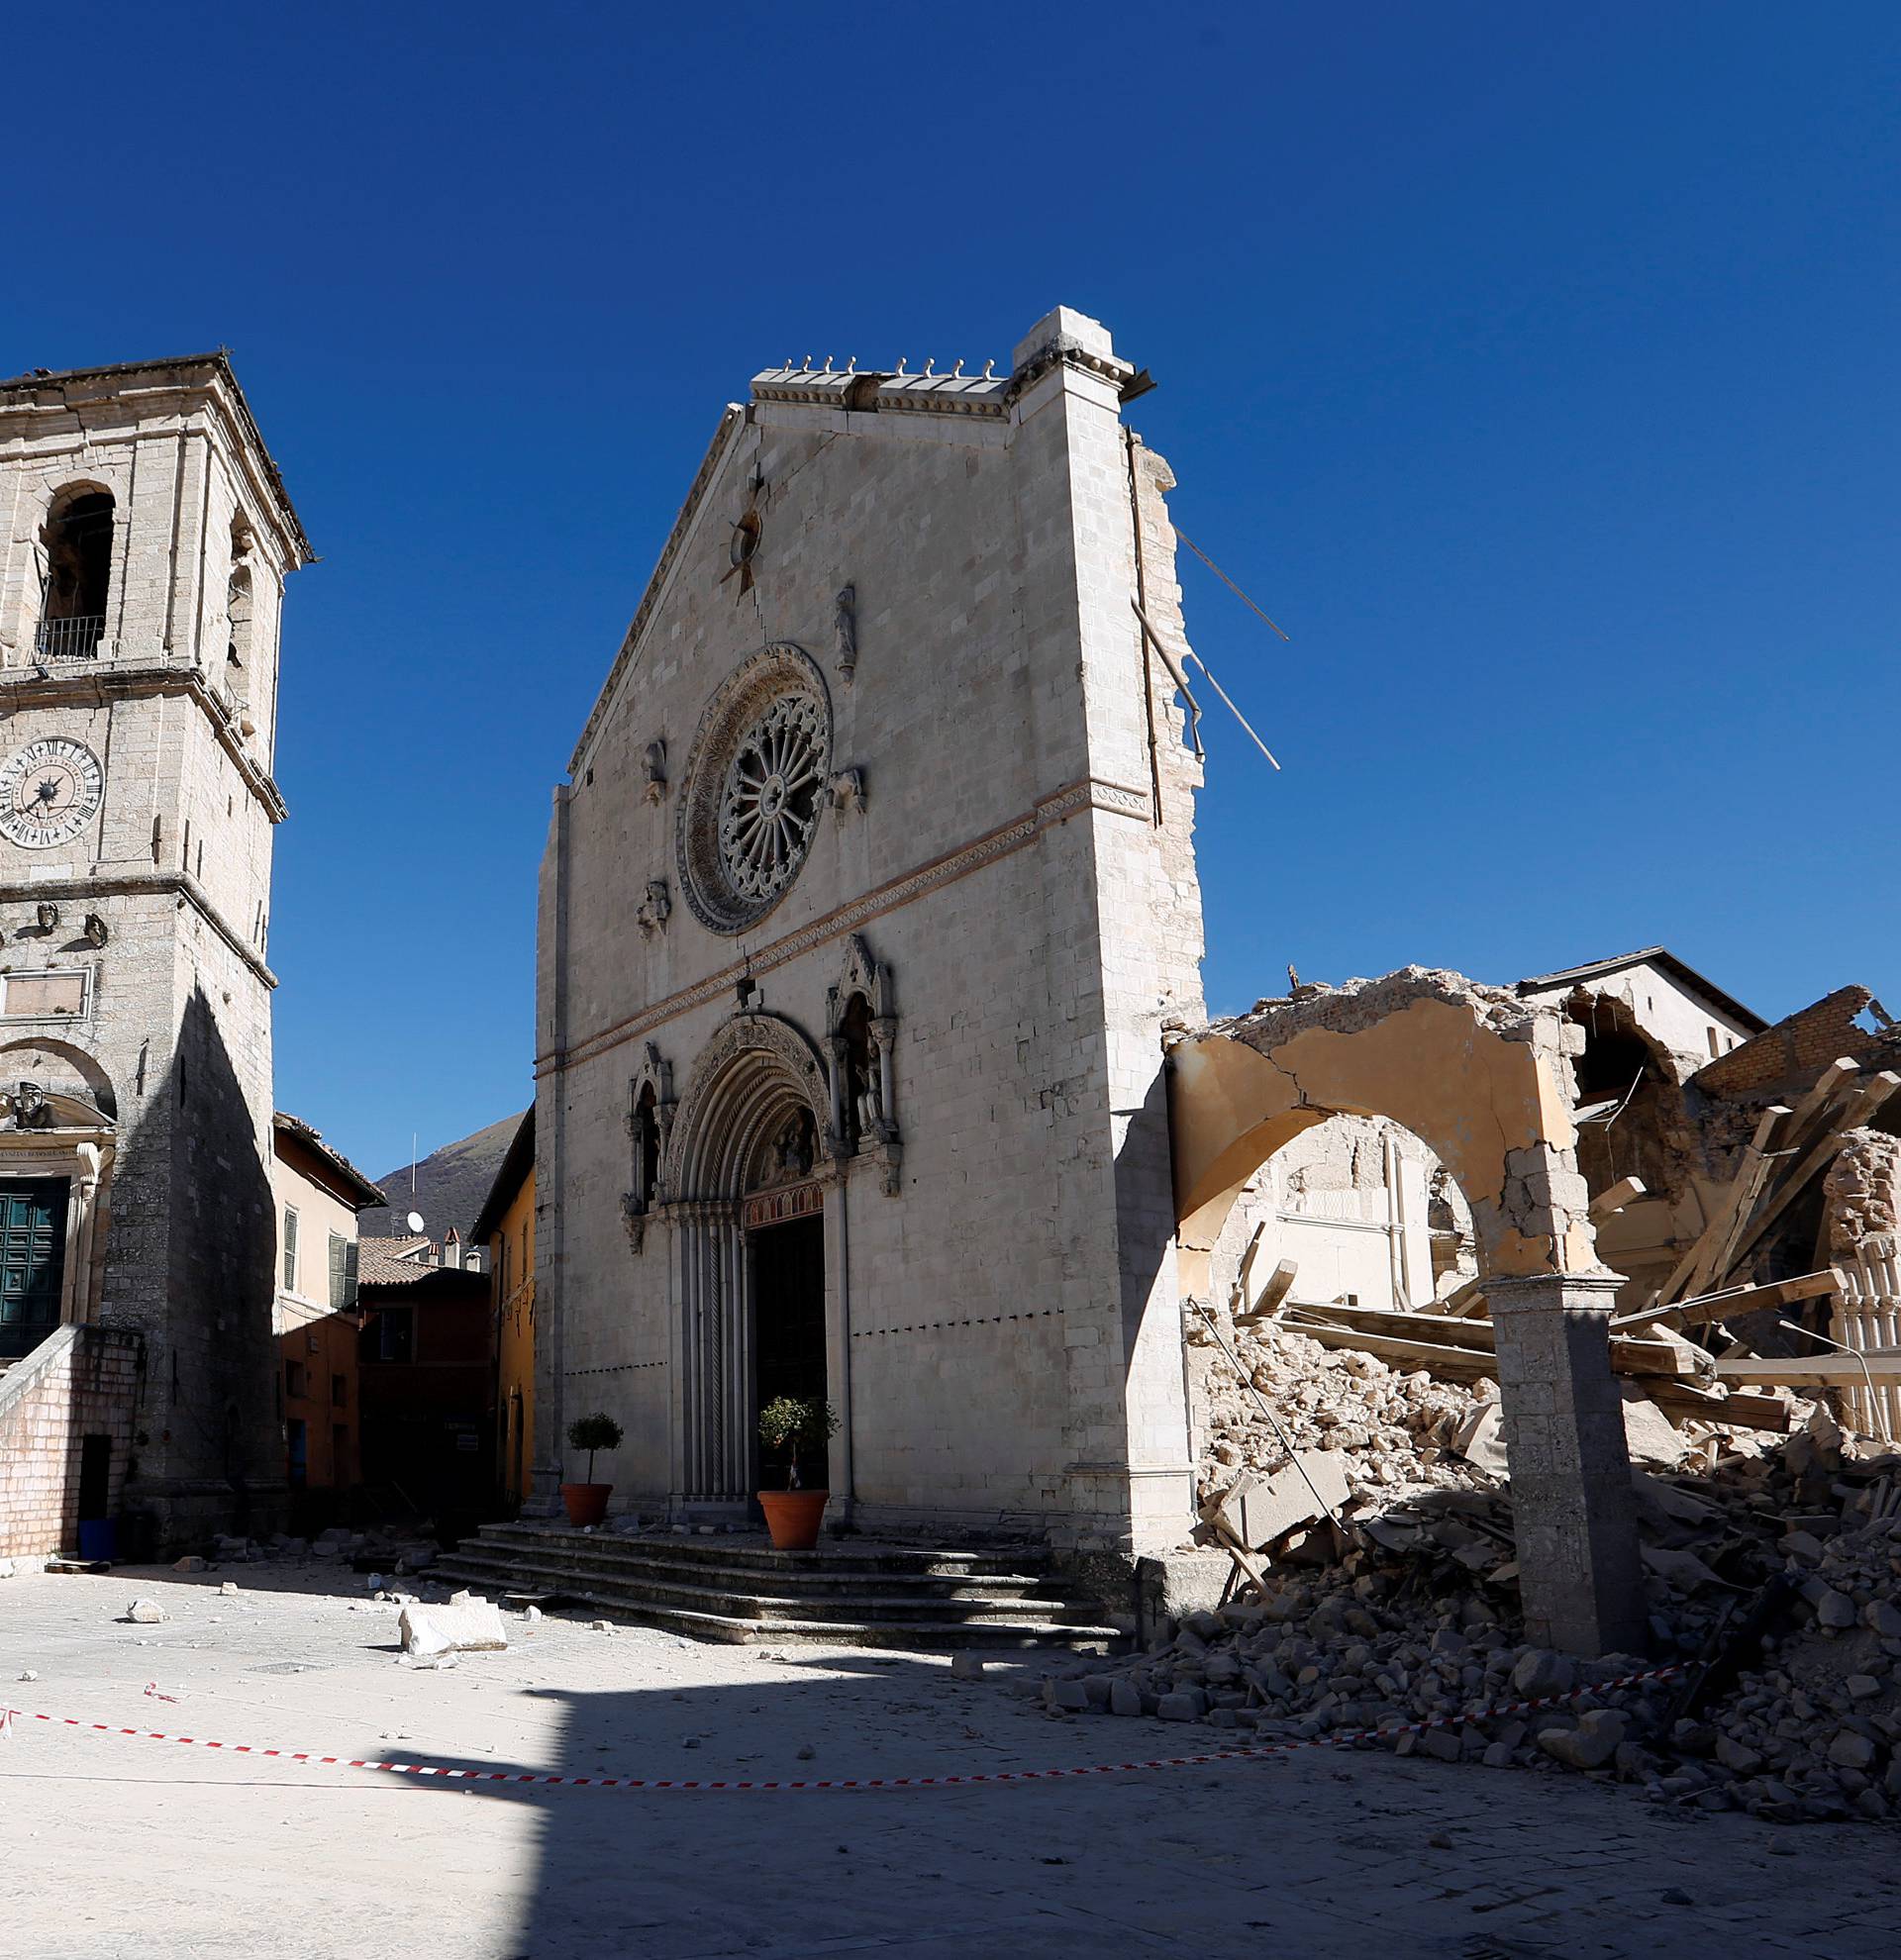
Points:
(587, 1503)
(792, 1422)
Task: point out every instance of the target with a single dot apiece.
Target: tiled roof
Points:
(1658, 956)
(312, 1140)
(380, 1261)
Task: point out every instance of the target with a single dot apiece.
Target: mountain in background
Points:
(451, 1184)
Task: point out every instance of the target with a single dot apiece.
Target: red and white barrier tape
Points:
(1339, 1739)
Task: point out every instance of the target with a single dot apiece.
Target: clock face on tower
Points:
(49, 792)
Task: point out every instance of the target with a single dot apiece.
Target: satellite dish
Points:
(415, 1221)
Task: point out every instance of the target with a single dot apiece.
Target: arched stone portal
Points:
(1483, 1078)
(57, 1143)
(754, 1209)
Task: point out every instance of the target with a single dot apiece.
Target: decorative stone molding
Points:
(731, 421)
(1090, 793)
(754, 784)
(699, 1152)
(847, 790)
(846, 630)
(861, 1034)
(654, 770)
(655, 911)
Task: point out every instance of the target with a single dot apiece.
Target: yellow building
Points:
(506, 1226)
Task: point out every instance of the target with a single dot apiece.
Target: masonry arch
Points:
(57, 1143)
(755, 1206)
(1477, 1075)
(1484, 1080)
(78, 536)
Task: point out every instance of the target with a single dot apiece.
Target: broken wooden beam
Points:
(1864, 1103)
(1736, 1299)
(1626, 1191)
(1695, 1401)
(1816, 1370)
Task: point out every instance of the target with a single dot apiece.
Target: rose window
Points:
(771, 804)
(755, 789)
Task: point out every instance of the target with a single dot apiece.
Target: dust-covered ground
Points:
(118, 1848)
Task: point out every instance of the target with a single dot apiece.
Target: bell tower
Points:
(145, 538)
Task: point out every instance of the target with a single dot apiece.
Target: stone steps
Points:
(1022, 1564)
(747, 1593)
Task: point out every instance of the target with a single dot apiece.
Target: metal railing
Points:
(71, 639)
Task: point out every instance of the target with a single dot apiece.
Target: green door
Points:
(33, 1257)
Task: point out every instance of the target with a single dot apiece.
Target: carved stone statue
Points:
(28, 1107)
(847, 633)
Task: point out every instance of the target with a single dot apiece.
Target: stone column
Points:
(1579, 1574)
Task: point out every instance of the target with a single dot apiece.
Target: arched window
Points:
(78, 541)
(239, 614)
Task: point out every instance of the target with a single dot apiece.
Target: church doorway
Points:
(788, 1332)
(33, 1248)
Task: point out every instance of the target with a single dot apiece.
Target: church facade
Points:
(144, 537)
(863, 910)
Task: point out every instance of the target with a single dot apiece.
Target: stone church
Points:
(144, 537)
(864, 908)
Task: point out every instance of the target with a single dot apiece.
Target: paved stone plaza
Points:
(184, 1851)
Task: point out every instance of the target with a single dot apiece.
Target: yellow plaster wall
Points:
(515, 1338)
(1433, 1065)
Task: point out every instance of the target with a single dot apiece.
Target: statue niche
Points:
(862, 1034)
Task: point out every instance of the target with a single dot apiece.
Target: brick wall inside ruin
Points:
(81, 1382)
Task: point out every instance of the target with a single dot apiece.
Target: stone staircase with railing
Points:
(737, 1588)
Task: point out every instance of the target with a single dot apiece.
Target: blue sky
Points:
(1534, 366)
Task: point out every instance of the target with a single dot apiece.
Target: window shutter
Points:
(290, 1250)
(339, 1276)
(349, 1276)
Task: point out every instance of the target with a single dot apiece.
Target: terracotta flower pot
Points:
(586, 1502)
(793, 1517)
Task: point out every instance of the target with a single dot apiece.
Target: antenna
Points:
(415, 1221)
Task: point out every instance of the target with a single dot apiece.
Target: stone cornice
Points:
(118, 390)
(92, 681)
(731, 417)
(1090, 793)
(138, 884)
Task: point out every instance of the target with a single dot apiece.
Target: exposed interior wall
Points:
(1363, 1209)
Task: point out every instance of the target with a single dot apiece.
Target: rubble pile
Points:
(1398, 1428)
(1774, 1586)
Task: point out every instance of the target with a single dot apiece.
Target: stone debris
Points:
(1418, 1618)
(190, 1563)
(467, 1624)
(1391, 1430)
(147, 1613)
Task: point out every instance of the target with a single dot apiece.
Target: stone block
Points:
(1261, 1507)
(472, 1625)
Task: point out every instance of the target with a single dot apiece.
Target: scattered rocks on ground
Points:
(1413, 1617)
